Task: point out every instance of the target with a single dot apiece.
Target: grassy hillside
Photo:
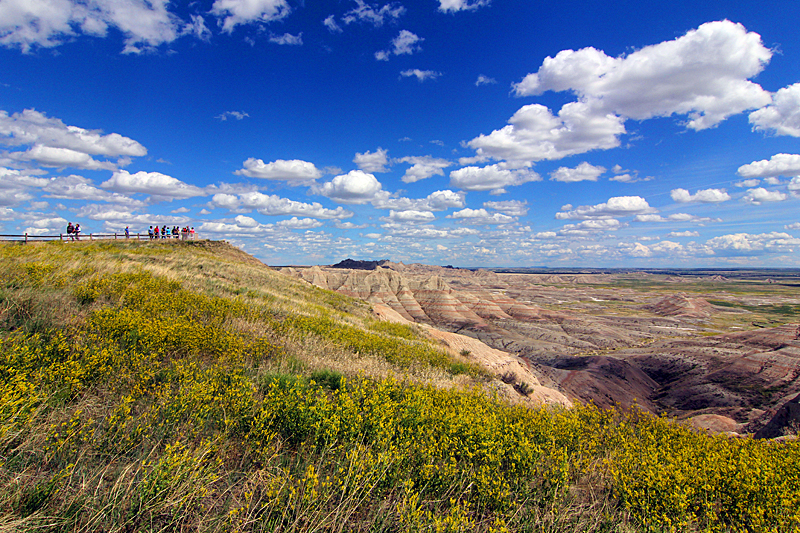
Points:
(186, 386)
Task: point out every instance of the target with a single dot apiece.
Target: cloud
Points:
(236, 12)
(760, 195)
(794, 226)
(484, 80)
(238, 115)
(145, 24)
(423, 167)
(749, 244)
(116, 217)
(299, 223)
(481, 216)
(794, 185)
(30, 127)
(435, 201)
(629, 178)
(590, 227)
(413, 232)
(707, 196)
(348, 225)
(491, 177)
(406, 43)
(782, 116)
(331, 24)
(355, 187)
(154, 184)
(533, 133)
(683, 234)
(452, 6)
(291, 171)
(421, 75)
(48, 156)
(410, 217)
(372, 161)
(274, 205)
(675, 217)
(241, 226)
(287, 39)
(42, 223)
(79, 188)
(747, 183)
(583, 172)
(618, 206)
(703, 74)
(514, 208)
(777, 165)
(374, 15)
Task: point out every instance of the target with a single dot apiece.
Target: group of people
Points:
(74, 232)
(155, 232)
(166, 233)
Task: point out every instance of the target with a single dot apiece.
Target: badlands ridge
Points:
(624, 338)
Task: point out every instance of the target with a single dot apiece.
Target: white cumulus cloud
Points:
(152, 183)
(761, 195)
(782, 116)
(533, 133)
(707, 196)
(423, 167)
(406, 43)
(703, 74)
(481, 216)
(749, 244)
(236, 12)
(293, 170)
(48, 23)
(271, 204)
(583, 172)
(777, 165)
(490, 178)
(435, 201)
(452, 6)
(411, 217)
(300, 223)
(355, 187)
(33, 128)
(514, 208)
(372, 161)
(618, 206)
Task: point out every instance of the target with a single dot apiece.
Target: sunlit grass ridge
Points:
(187, 386)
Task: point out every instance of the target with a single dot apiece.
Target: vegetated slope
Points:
(175, 386)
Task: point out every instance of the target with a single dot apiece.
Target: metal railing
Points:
(71, 237)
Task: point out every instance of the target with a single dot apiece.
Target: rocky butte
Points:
(717, 350)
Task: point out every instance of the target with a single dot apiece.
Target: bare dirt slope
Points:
(696, 348)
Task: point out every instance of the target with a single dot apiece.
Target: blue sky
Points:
(463, 132)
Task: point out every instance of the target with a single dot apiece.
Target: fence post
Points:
(61, 237)
(91, 236)
(115, 235)
(26, 238)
